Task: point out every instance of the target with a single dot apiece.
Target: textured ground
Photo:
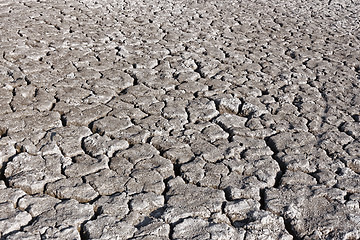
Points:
(185, 119)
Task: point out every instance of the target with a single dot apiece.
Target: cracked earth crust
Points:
(166, 119)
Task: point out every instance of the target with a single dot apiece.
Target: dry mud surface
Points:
(183, 119)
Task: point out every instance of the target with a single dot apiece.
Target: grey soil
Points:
(167, 119)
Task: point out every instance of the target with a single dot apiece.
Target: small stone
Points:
(115, 205)
(202, 110)
(187, 200)
(110, 125)
(215, 132)
(297, 178)
(31, 173)
(7, 150)
(108, 227)
(96, 145)
(238, 210)
(73, 188)
(197, 228)
(179, 155)
(230, 121)
(207, 150)
(145, 180)
(139, 152)
(145, 204)
(68, 139)
(228, 104)
(11, 218)
(107, 182)
(10, 194)
(286, 140)
(83, 115)
(66, 213)
(37, 204)
(62, 233)
(266, 225)
(159, 164)
(84, 164)
(24, 236)
(155, 229)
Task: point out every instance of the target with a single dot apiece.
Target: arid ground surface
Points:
(184, 119)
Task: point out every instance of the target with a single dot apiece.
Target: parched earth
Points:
(185, 119)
